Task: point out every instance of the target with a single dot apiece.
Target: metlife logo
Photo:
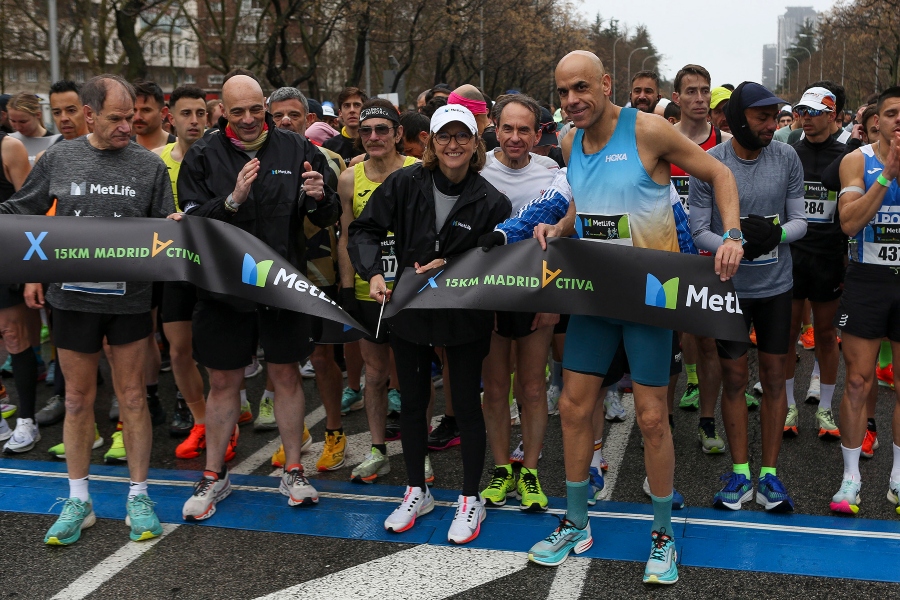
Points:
(83, 188)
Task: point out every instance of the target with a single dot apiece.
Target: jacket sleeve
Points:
(550, 207)
(371, 227)
(831, 176)
(327, 211)
(34, 196)
(194, 195)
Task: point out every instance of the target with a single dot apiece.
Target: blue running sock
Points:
(662, 513)
(577, 502)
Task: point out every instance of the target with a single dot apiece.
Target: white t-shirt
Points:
(523, 185)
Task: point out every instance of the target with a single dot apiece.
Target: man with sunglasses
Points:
(836, 130)
(818, 257)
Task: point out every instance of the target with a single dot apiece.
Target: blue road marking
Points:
(747, 540)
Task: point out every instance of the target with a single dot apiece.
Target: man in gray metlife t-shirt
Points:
(102, 174)
(769, 179)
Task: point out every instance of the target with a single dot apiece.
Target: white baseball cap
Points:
(818, 98)
(450, 113)
(328, 111)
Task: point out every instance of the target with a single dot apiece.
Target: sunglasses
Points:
(366, 130)
(803, 111)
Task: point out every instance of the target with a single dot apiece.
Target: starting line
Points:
(745, 540)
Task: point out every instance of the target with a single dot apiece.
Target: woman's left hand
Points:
(438, 262)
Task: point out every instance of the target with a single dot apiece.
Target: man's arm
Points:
(700, 200)
(794, 227)
(325, 211)
(163, 203)
(194, 195)
(550, 208)
(345, 191)
(370, 228)
(858, 207)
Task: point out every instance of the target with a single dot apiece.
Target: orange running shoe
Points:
(230, 451)
(808, 339)
(246, 415)
(753, 336)
(870, 444)
(885, 376)
(195, 442)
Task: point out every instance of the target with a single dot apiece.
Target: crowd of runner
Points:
(800, 210)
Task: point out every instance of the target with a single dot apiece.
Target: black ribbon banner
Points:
(211, 254)
(665, 289)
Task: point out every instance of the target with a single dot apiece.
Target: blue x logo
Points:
(431, 282)
(35, 245)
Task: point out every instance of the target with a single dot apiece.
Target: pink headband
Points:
(478, 107)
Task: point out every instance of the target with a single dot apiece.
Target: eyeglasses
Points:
(366, 131)
(462, 138)
(804, 111)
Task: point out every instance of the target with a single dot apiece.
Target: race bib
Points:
(769, 257)
(820, 203)
(682, 186)
(389, 258)
(613, 229)
(108, 288)
(881, 245)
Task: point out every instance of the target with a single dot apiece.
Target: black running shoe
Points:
(157, 412)
(182, 420)
(392, 431)
(445, 435)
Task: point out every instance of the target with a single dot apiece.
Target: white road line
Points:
(264, 454)
(569, 579)
(420, 573)
(615, 442)
(109, 567)
(358, 447)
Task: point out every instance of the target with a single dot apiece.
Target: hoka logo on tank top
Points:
(616, 157)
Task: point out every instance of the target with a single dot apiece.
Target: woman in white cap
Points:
(437, 209)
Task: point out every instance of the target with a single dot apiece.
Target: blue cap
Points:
(754, 94)
(316, 108)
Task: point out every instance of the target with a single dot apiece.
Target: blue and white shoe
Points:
(351, 400)
(661, 567)
(76, 516)
(677, 499)
(555, 548)
(595, 479)
(773, 496)
(847, 499)
(142, 519)
(738, 489)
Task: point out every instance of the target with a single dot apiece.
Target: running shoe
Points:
(870, 444)
(59, 450)
(253, 369)
(752, 401)
(265, 420)
(278, 457)
(753, 337)
(738, 489)
(5, 430)
(6, 370)
(514, 418)
(157, 412)
(530, 493)
(429, 470)
(297, 488)
(466, 524)
(194, 444)
(76, 516)
(445, 435)
(8, 410)
(392, 431)
(517, 456)
(807, 339)
(501, 487)
(757, 388)
(246, 415)
(595, 479)
(603, 463)
(24, 437)
(791, 420)
(828, 429)
(50, 379)
(231, 450)
(352, 400)
(814, 393)
(416, 502)
(142, 519)
(710, 442)
(661, 567)
(114, 410)
(554, 549)
(677, 498)
(116, 452)
(45, 334)
(165, 365)
(307, 371)
(690, 400)
(370, 469)
(332, 457)
(771, 494)
(208, 492)
(393, 402)
(52, 413)
(847, 498)
(885, 376)
(615, 412)
(182, 419)
(893, 494)
(553, 394)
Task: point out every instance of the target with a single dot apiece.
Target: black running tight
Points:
(414, 371)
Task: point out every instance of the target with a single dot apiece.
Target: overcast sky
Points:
(726, 36)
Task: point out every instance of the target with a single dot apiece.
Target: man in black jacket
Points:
(263, 180)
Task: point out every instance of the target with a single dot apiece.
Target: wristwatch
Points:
(734, 234)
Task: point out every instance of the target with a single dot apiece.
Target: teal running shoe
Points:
(847, 499)
(393, 402)
(351, 400)
(661, 567)
(76, 515)
(737, 490)
(595, 478)
(554, 549)
(143, 521)
(773, 496)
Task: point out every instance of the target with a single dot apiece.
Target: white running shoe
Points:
(757, 388)
(466, 523)
(25, 436)
(415, 503)
(5, 431)
(814, 393)
(253, 369)
(207, 493)
(553, 394)
(307, 371)
(514, 413)
(615, 412)
(297, 488)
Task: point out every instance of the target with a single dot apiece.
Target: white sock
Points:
(789, 390)
(244, 401)
(895, 472)
(267, 395)
(826, 396)
(816, 369)
(136, 488)
(78, 488)
(851, 462)
(598, 454)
